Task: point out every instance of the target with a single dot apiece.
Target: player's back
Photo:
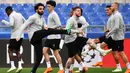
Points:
(17, 20)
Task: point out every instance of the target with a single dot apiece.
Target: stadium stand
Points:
(94, 12)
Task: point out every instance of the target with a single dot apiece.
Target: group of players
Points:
(75, 38)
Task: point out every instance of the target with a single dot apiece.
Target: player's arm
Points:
(23, 19)
(57, 21)
(116, 25)
(44, 25)
(29, 21)
(85, 24)
(11, 21)
(106, 30)
(69, 25)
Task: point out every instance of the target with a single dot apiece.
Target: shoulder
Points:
(54, 13)
(81, 17)
(118, 14)
(32, 17)
(71, 19)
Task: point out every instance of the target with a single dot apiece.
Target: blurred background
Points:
(93, 11)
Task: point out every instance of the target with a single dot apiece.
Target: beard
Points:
(78, 15)
(40, 13)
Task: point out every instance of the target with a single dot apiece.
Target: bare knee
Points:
(114, 52)
(68, 64)
(103, 45)
(45, 50)
(121, 53)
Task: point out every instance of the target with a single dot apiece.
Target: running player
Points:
(52, 41)
(117, 33)
(15, 22)
(82, 24)
(37, 29)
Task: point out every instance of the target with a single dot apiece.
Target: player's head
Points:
(77, 11)
(108, 10)
(39, 8)
(8, 10)
(115, 6)
(72, 12)
(50, 5)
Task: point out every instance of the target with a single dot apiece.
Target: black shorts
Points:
(76, 46)
(52, 43)
(15, 45)
(111, 43)
(119, 45)
(102, 39)
(115, 45)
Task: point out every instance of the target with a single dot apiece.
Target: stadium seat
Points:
(17, 7)
(71, 5)
(4, 5)
(94, 6)
(103, 5)
(100, 9)
(84, 6)
(61, 5)
(126, 20)
(89, 9)
(101, 14)
(91, 14)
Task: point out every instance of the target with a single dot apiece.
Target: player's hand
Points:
(3, 21)
(106, 31)
(107, 35)
(81, 32)
(45, 27)
(17, 39)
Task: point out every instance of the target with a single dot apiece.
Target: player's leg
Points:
(38, 53)
(116, 58)
(82, 66)
(71, 47)
(46, 48)
(19, 43)
(80, 42)
(125, 59)
(58, 57)
(123, 55)
(38, 35)
(72, 66)
(55, 49)
(68, 64)
(100, 61)
(99, 47)
(97, 41)
(10, 51)
(47, 59)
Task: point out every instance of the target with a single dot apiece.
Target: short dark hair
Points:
(9, 8)
(52, 3)
(117, 4)
(77, 7)
(108, 6)
(37, 5)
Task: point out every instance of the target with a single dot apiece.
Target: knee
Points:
(103, 45)
(56, 52)
(68, 64)
(121, 53)
(114, 52)
(45, 50)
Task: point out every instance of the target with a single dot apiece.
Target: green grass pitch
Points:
(55, 70)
